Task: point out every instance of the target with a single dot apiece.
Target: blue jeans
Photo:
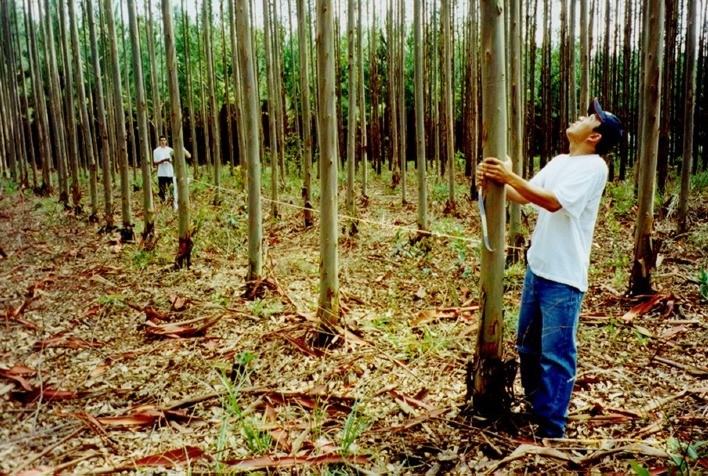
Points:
(548, 322)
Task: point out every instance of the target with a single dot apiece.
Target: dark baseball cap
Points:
(610, 127)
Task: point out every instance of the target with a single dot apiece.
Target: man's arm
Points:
(518, 189)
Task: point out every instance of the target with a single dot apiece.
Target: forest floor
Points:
(111, 360)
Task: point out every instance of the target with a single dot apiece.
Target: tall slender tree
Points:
(184, 252)
(352, 94)
(303, 33)
(645, 247)
(447, 87)
(688, 114)
(419, 119)
(273, 142)
(102, 123)
(516, 136)
(250, 122)
(126, 231)
(148, 234)
(86, 126)
(584, 55)
(328, 303)
(487, 385)
(214, 136)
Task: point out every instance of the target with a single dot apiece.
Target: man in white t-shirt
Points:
(566, 193)
(162, 157)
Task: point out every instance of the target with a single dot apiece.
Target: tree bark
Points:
(250, 120)
(302, 32)
(215, 140)
(419, 119)
(352, 110)
(688, 115)
(184, 252)
(126, 214)
(646, 247)
(148, 235)
(328, 303)
(516, 136)
(102, 124)
(487, 392)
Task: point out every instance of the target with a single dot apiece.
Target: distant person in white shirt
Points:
(162, 157)
(566, 193)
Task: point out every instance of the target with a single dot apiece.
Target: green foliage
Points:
(703, 283)
(699, 182)
(639, 469)
(262, 308)
(682, 454)
(354, 426)
(143, 258)
(622, 196)
(112, 300)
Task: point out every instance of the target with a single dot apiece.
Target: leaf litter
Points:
(177, 369)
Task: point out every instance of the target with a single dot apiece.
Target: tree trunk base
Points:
(148, 241)
(644, 263)
(127, 234)
(257, 288)
(490, 388)
(93, 218)
(184, 253)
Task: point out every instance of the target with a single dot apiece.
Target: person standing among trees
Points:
(566, 193)
(162, 158)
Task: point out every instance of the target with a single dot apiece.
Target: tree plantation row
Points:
(88, 88)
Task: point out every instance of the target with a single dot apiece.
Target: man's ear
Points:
(594, 138)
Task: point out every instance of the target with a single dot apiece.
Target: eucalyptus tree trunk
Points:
(688, 115)
(281, 117)
(42, 119)
(446, 83)
(130, 136)
(28, 141)
(227, 94)
(531, 111)
(362, 105)
(351, 116)
(563, 75)
(487, 386)
(102, 124)
(516, 136)
(238, 96)
(584, 56)
(148, 235)
(253, 154)
(184, 253)
(646, 248)
(401, 100)
(126, 231)
(328, 303)
(667, 116)
(190, 96)
(627, 89)
(302, 32)
(215, 141)
(10, 107)
(573, 79)
(86, 127)
(419, 120)
(37, 98)
(546, 97)
(70, 116)
(55, 106)
(376, 140)
(272, 107)
(394, 159)
(154, 90)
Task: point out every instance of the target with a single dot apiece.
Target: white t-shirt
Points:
(561, 241)
(165, 168)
